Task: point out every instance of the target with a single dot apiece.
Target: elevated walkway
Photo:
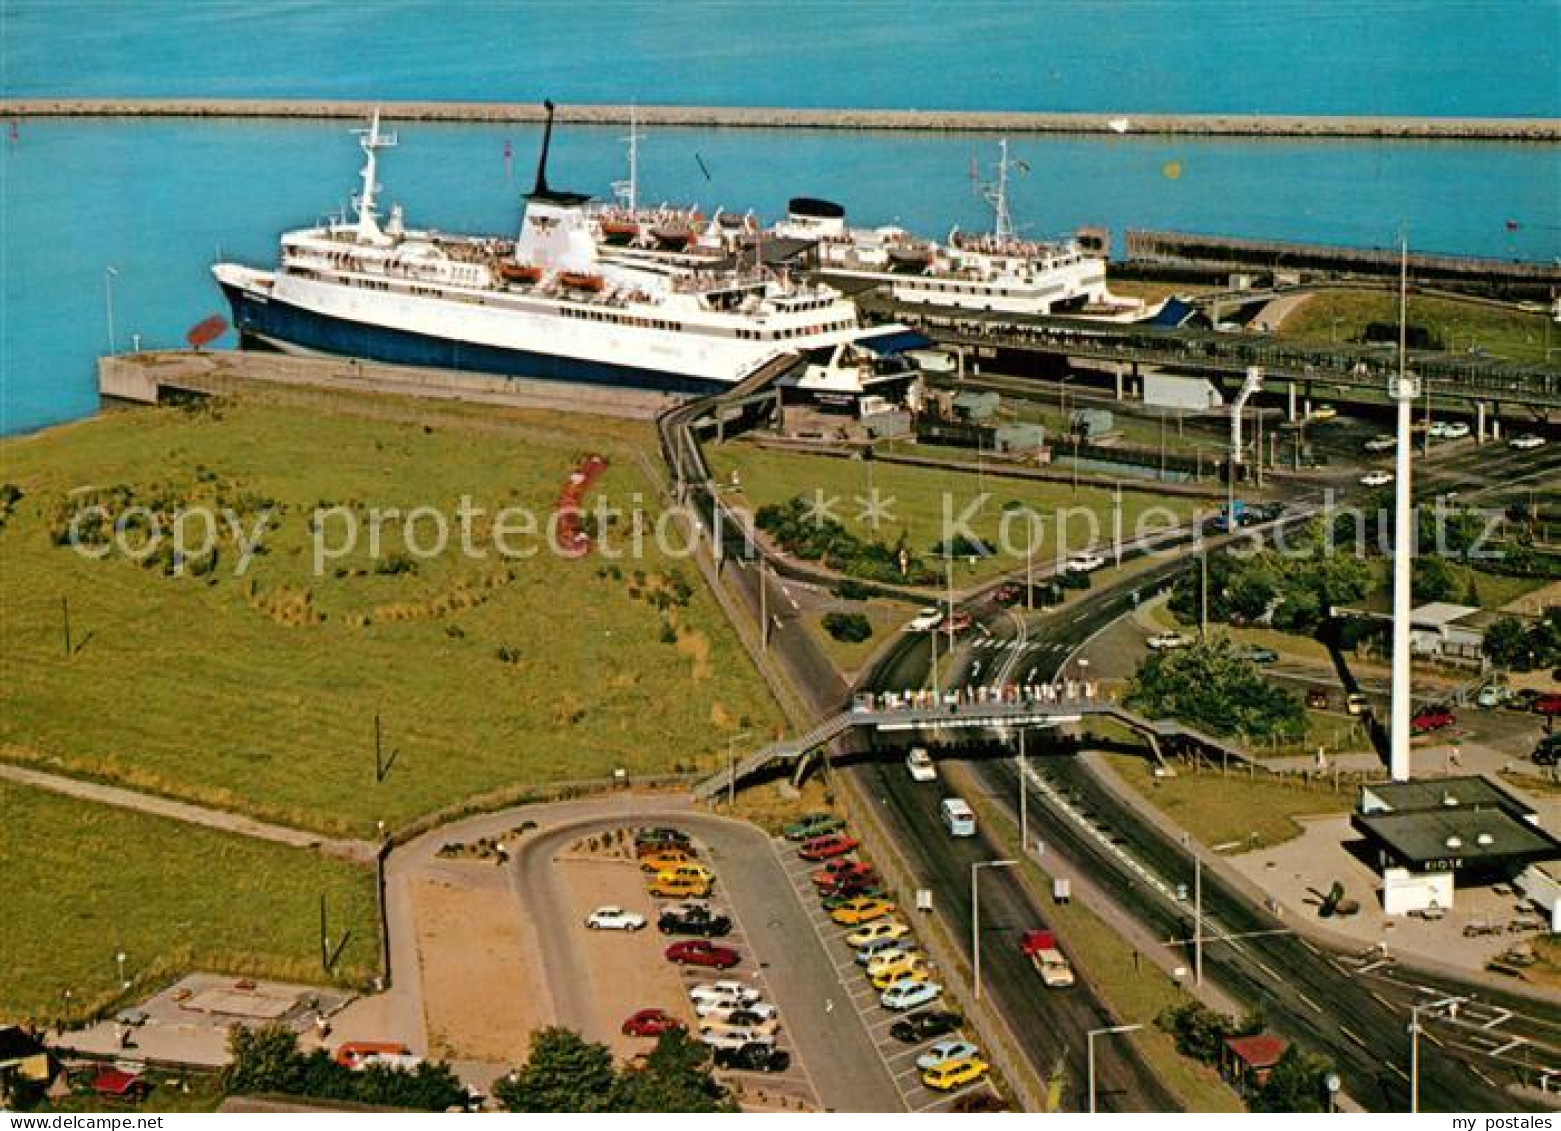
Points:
(1028, 710)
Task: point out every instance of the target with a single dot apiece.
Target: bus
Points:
(958, 818)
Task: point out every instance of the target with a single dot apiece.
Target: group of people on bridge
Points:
(1059, 692)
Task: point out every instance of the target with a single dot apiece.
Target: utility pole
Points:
(1203, 593)
(1197, 903)
(1448, 1003)
(1029, 564)
(764, 609)
(1090, 1041)
(1116, 525)
(948, 573)
(1024, 799)
(975, 913)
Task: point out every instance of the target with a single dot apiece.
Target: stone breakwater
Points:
(764, 117)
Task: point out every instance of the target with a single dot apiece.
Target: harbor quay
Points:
(1542, 130)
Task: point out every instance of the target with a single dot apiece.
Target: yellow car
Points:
(661, 861)
(908, 968)
(862, 910)
(953, 1074)
(687, 872)
(887, 958)
(882, 929)
(679, 887)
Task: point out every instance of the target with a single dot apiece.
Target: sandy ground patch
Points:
(482, 992)
(626, 970)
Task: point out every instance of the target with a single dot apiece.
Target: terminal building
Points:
(1433, 835)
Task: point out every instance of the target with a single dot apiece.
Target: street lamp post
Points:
(1414, 1044)
(1024, 805)
(975, 913)
(109, 275)
(1093, 1033)
(119, 961)
(1029, 565)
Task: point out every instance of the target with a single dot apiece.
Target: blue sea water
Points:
(159, 200)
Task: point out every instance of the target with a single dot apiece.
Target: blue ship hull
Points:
(259, 320)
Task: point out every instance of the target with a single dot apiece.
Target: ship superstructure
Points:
(556, 302)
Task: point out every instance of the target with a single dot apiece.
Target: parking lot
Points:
(856, 992)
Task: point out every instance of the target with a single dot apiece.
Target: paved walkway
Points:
(359, 851)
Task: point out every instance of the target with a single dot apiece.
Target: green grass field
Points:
(86, 881)
(259, 692)
(1344, 315)
(1234, 808)
(921, 497)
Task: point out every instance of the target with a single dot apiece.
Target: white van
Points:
(957, 817)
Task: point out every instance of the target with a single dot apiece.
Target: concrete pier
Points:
(1547, 130)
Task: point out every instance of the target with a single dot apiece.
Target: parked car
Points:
(663, 858)
(733, 1038)
(1434, 719)
(838, 897)
(954, 1074)
(753, 1057)
(944, 1051)
(703, 952)
(730, 1009)
(1376, 479)
(709, 991)
(742, 1021)
(1548, 752)
(687, 871)
(1549, 705)
(1526, 442)
(614, 919)
(877, 948)
(678, 887)
(1168, 641)
(863, 910)
(661, 838)
(924, 1026)
(882, 929)
(1382, 443)
(1437, 429)
(906, 968)
(840, 870)
(827, 847)
(700, 921)
(920, 765)
(1260, 655)
(1087, 562)
(909, 994)
(651, 1023)
(925, 621)
(1524, 699)
(1493, 695)
(813, 825)
(1455, 430)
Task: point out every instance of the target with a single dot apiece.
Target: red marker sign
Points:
(204, 333)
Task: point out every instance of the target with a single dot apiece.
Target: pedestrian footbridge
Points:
(1043, 706)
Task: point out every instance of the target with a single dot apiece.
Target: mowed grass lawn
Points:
(259, 692)
(86, 881)
(1513, 334)
(919, 498)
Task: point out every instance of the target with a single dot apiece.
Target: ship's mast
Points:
(370, 140)
(998, 195)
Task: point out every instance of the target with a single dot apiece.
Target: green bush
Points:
(850, 627)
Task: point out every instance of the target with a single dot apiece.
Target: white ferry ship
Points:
(996, 271)
(558, 302)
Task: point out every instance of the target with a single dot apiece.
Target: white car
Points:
(954, 1049)
(727, 1038)
(1087, 562)
(920, 765)
(1526, 442)
(1380, 444)
(1455, 430)
(909, 993)
(1493, 695)
(614, 919)
(925, 621)
(1376, 479)
(766, 1027)
(718, 991)
(1168, 641)
(878, 929)
(719, 1009)
(1437, 429)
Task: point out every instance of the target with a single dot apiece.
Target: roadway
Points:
(1304, 992)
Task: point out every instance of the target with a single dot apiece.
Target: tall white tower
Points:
(1404, 388)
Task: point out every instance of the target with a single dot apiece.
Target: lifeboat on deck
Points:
(616, 231)
(512, 272)
(581, 281)
(675, 235)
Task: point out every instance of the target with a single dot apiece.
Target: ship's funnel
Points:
(541, 191)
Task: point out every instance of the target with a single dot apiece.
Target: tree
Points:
(1214, 688)
(1297, 1083)
(851, 627)
(264, 1060)
(1433, 579)
(564, 1073)
(676, 1077)
(1506, 644)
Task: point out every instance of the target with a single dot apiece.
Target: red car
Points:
(825, 847)
(841, 871)
(651, 1023)
(1548, 705)
(1427, 721)
(702, 952)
